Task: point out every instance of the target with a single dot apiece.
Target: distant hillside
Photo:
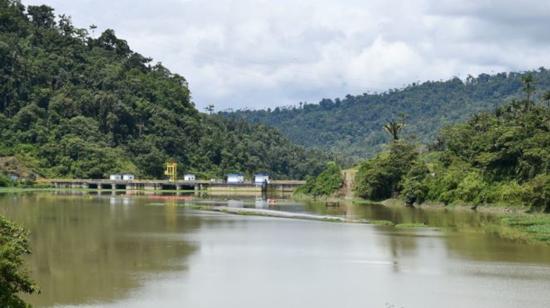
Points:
(500, 157)
(352, 127)
(72, 105)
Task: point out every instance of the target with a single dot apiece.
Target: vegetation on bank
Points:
(326, 184)
(7, 182)
(13, 278)
(498, 157)
(77, 105)
(381, 178)
(527, 227)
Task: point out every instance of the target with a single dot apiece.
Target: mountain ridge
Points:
(352, 127)
(73, 105)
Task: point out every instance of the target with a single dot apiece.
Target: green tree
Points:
(381, 177)
(5, 181)
(537, 193)
(41, 16)
(13, 279)
(415, 190)
(326, 184)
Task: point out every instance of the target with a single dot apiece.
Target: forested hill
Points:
(353, 126)
(73, 105)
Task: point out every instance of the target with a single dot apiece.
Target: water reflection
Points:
(465, 231)
(148, 250)
(94, 249)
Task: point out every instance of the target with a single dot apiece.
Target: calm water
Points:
(139, 251)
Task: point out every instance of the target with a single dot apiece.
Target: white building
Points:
(128, 177)
(189, 177)
(122, 177)
(260, 178)
(235, 178)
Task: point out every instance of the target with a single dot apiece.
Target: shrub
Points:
(326, 184)
(415, 188)
(536, 193)
(13, 246)
(381, 177)
(374, 181)
(5, 181)
(505, 192)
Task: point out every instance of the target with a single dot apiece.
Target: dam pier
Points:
(284, 186)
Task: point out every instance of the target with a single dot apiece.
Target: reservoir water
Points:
(91, 250)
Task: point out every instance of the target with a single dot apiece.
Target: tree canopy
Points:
(74, 105)
(499, 157)
(350, 127)
(326, 184)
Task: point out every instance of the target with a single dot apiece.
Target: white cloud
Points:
(259, 53)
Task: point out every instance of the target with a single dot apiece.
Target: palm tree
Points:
(393, 128)
(209, 108)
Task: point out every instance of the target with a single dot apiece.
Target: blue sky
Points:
(258, 53)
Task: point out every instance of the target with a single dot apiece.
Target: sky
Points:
(253, 54)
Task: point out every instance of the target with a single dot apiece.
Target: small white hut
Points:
(115, 177)
(128, 177)
(122, 177)
(235, 178)
(260, 178)
(189, 177)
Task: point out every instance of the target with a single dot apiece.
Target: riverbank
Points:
(25, 189)
(486, 208)
(513, 222)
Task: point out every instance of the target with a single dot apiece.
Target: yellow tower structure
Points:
(171, 170)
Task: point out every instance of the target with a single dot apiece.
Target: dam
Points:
(157, 185)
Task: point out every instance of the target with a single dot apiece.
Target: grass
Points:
(528, 227)
(541, 229)
(364, 202)
(381, 222)
(410, 225)
(15, 189)
(526, 220)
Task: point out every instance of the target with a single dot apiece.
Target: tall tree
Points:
(394, 127)
(42, 16)
(528, 87)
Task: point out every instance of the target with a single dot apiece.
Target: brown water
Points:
(139, 251)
